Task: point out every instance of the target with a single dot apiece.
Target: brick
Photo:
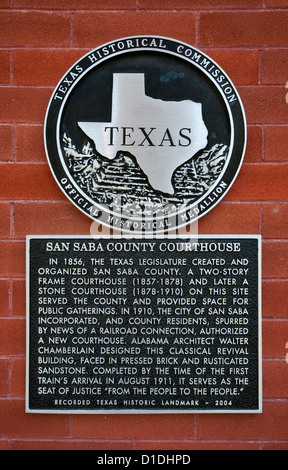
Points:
(276, 143)
(270, 425)
(4, 298)
(58, 218)
(253, 151)
(244, 29)
(76, 4)
(28, 68)
(275, 446)
(203, 5)
(30, 181)
(12, 337)
(276, 3)
(4, 220)
(231, 218)
(264, 104)
(4, 445)
(259, 182)
(31, 28)
(24, 104)
(274, 304)
(71, 444)
(275, 261)
(94, 30)
(5, 3)
(19, 298)
(5, 143)
(275, 216)
(274, 66)
(275, 379)
(275, 338)
(12, 255)
(30, 143)
(18, 377)
(4, 373)
(15, 422)
(127, 427)
(196, 445)
(241, 65)
(5, 67)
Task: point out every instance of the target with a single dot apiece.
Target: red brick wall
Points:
(39, 41)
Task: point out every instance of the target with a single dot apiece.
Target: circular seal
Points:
(145, 134)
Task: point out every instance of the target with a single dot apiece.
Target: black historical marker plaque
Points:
(154, 325)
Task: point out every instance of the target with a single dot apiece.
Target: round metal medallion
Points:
(145, 134)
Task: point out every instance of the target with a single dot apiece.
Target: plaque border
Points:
(145, 411)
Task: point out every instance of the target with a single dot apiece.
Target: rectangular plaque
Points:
(132, 325)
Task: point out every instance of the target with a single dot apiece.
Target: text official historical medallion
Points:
(145, 134)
